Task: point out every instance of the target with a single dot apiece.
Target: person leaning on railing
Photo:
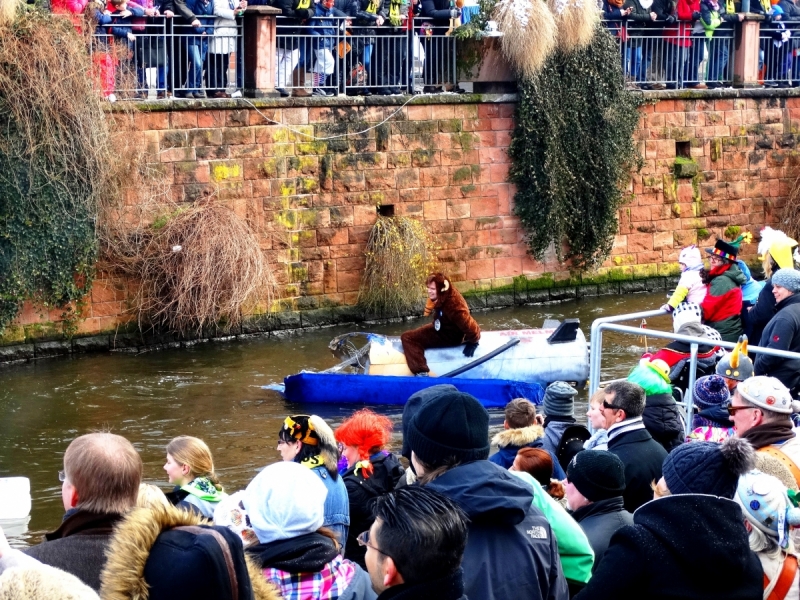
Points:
(371, 14)
(645, 20)
(222, 44)
(678, 37)
(717, 19)
(151, 43)
(437, 56)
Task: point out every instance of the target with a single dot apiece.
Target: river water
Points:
(213, 391)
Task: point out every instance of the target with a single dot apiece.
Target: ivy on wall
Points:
(54, 163)
(572, 151)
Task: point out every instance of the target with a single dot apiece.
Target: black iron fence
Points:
(159, 57)
(675, 55)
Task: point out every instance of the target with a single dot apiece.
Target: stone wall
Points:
(313, 194)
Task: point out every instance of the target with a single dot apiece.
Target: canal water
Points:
(213, 391)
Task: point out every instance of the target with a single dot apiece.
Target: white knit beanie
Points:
(285, 500)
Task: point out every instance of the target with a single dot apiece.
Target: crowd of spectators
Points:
(664, 43)
(329, 47)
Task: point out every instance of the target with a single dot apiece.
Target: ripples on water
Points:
(213, 391)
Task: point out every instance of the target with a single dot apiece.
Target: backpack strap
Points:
(226, 553)
(785, 579)
(784, 459)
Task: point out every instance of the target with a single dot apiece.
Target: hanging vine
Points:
(572, 152)
(54, 163)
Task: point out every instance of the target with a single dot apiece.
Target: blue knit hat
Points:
(707, 467)
(711, 390)
(787, 278)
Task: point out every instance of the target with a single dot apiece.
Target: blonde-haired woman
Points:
(778, 251)
(190, 468)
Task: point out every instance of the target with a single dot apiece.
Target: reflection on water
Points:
(212, 391)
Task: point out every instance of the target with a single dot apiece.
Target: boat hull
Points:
(375, 390)
(532, 360)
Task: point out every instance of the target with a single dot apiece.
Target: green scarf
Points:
(202, 488)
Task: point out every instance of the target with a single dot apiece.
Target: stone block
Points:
(55, 348)
(95, 343)
(16, 352)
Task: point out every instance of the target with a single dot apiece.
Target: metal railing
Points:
(336, 55)
(612, 324)
(674, 55)
(155, 57)
(777, 60)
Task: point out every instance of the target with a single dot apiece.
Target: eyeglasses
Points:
(62, 477)
(611, 406)
(363, 540)
(732, 410)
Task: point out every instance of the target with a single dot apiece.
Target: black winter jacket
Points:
(686, 546)
(362, 493)
(642, 457)
(437, 10)
(757, 318)
(446, 588)
(599, 521)
(782, 333)
(663, 420)
(511, 551)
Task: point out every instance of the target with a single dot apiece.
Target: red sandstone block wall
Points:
(312, 193)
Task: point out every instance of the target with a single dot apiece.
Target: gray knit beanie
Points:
(787, 278)
(559, 399)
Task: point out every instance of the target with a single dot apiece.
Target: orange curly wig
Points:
(367, 431)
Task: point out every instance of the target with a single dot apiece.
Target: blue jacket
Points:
(337, 505)
(509, 442)
(204, 12)
(122, 26)
(511, 550)
(323, 24)
(782, 333)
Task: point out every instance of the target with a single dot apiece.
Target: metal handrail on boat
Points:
(612, 324)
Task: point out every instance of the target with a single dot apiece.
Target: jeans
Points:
(197, 50)
(718, 59)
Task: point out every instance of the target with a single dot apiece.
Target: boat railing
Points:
(614, 324)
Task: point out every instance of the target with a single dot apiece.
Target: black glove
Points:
(670, 19)
(696, 16)
(469, 350)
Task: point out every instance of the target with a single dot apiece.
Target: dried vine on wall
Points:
(572, 152)
(54, 163)
(400, 254)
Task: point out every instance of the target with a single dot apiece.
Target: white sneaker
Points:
(111, 98)
(236, 94)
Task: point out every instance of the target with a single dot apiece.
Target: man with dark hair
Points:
(100, 483)
(415, 546)
(631, 442)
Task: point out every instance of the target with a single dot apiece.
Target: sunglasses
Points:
(363, 540)
(732, 410)
(611, 406)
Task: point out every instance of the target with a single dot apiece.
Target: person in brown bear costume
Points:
(452, 325)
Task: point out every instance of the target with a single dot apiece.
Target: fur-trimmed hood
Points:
(518, 437)
(123, 576)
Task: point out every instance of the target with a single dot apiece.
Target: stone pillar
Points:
(745, 56)
(259, 51)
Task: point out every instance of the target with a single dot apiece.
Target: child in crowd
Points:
(690, 286)
(521, 429)
(323, 41)
(599, 439)
(717, 21)
(103, 61)
(712, 422)
(768, 514)
(190, 468)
